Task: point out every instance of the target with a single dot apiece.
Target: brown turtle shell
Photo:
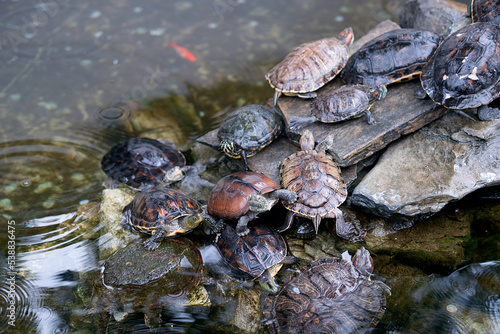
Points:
(309, 66)
(485, 11)
(328, 296)
(316, 179)
(250, 255)
(394, 56)
(141, 162)
(348, 101)
(464, 70)
(161, 206)
(229, 197)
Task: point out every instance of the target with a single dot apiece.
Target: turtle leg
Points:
(284, 195)
(345, 230)
(369, 117)
(316, 221)
(276, 97)
(419, 93)
(487, 113)
(309, 95)
(242, 226)
(212, 224)
(299, 122)
(288, 222)
(155, 240)
(244, 158)
(125, 222)
(463, 113)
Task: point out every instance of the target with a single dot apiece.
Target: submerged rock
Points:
(423, 172)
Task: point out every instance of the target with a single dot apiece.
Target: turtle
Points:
(163, 212)
(310, 66)
(464, 73)
(320, 188)
(395, 56)
(345, 102)
(143, 163)
(249, 129)
(485, 11)
(242, 196)
(330, 295)
(259, 254)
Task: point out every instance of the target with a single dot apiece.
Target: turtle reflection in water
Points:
(330, 295)
(137, 280)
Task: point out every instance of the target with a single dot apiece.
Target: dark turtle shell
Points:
(485, 11)
(328, 296)
(316, 179)
(464, 70)
(249, 128)
(141, 162)
(229, 197)
(310, 65)
(394, 56)
(250, 255)
(164, 207)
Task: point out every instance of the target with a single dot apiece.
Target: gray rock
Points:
(440, 16)
(442, 162)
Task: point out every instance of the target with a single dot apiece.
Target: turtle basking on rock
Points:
(346, 102)
(310, 66)
(242, 196)
(330, 295)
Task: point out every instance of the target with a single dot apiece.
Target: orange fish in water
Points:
(183, 52)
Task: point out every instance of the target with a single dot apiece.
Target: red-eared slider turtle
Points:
(143, 162)
(320, 188)
(464, 72)
(257, 255)
(249, 129)
(243, 196)
(485, 11)
(397, 55)
(310, 66)
(163, 212)
(330, 295)
(346, 102)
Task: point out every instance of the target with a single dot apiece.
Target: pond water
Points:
(71, 74)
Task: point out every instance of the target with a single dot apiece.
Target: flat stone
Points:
(440, 16)
(442, 162)
(398, 114)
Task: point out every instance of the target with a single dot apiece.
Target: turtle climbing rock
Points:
(243, 196)
(464, 71)
(397, 55)
(163, 212)
(257, 255)
(346, 102)
(310, 66)
(330, 295)
(249, 129)
(320, 188)
(143, 163)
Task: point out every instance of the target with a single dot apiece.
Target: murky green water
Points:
(70, 73)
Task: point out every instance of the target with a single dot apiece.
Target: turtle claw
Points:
(242, 231)
(151, 245)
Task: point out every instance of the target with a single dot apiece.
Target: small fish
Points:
(183, 52)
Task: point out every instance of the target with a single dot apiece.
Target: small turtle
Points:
(485, 11)
(243, 196)
(330, 295)
(394, 56)
(249, 129)
(143, 163)
(310, 66)
(464, 71)
(163, 212)
(256, 255)
(346, 102)
(316, 178)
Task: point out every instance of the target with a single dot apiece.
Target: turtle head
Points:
(346, 36)
(307, 141)
(173, 175)
(189, 223)
(363, 261)
(377, 93)
(230, 148)
(267, 281)
(259, 203)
